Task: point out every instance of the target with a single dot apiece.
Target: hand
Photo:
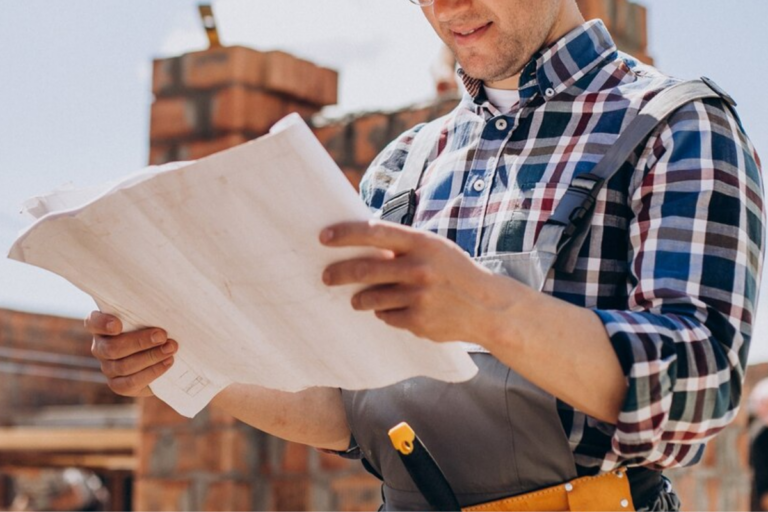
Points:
(427, 285)
(130, 361)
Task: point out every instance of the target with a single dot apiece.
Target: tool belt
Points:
(610, 491)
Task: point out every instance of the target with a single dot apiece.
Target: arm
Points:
(436, 291)
(132, 361)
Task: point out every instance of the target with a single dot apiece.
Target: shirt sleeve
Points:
(696, 242)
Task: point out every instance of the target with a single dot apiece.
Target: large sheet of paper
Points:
(224, 254)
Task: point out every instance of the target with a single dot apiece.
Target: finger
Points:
(124, 345)
(383, 298)
(102, 323)
(399, 318)
(138, 362)
(381, 234)
(378, 271)
(137, 384)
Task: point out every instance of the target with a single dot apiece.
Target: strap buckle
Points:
(719, 90)
(577, 202)
(401, 209)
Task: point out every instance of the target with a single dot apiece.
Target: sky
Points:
(75, 93)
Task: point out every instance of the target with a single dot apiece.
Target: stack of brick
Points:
(217, 463)
(722, 479)
(626, 21)
(208, 101)
(40, 352)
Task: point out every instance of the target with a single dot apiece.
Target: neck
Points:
(568, 19)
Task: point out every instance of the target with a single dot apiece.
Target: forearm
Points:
(562, 348)
(314, 416)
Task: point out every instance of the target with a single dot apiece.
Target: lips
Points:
(470, 34)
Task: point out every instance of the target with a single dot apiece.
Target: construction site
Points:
(67, 442)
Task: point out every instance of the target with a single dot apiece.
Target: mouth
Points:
(470, 35)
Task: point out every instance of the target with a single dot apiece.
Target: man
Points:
(643, 346)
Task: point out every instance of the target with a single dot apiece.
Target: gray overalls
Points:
(498, 434)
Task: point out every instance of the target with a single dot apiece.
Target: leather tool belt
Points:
(610, 491)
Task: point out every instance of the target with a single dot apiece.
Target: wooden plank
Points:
(88, 440)
(89, 461)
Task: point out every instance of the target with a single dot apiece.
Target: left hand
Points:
(428, 285)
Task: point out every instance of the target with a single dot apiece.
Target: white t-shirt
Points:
(503, 99)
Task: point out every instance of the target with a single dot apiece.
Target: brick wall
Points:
(46, 360)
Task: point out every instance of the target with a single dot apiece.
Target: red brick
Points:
(407, 119)
(237, 109)
(443, 107)
(164, 76)
(226, 450)
(354, 176)
(172, 117)
(161, 495)
(742, 448)
(223, 66)
(713, 493)
(333, 463)
(160, 154)
(154, 413)
(227, 495)
(640, 22)
(356, 492)
(594, 9)
(217, 416)
(290, 494)
(305, 110)
(202, 148)
(189, 456)
(621, 18)
(335, 139)
(295, 458)
(370, 136)
(329, 89)
(710, 456)
(300, 79)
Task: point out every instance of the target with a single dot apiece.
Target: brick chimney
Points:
(626, 21)
(215, 99)
(206, 102)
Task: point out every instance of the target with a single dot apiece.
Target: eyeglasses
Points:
(423, 3)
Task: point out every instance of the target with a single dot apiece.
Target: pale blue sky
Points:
(75, 92)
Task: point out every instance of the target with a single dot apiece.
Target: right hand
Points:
(130, 361)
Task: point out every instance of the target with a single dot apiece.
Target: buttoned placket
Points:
(480, 182)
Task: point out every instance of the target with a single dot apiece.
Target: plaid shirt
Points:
(673, 260)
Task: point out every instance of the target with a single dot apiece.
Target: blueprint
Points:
(223, 253)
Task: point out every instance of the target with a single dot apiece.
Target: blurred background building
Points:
(68, 443)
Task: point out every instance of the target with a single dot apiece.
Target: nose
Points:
(447, 10)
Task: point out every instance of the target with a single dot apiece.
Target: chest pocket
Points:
(537, 202)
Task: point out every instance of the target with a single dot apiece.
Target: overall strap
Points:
(566, 230)
(402, 207)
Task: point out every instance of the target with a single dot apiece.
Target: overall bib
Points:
(496, 435)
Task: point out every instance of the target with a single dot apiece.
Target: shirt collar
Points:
(552, 70)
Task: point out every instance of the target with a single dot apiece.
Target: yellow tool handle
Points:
(402, 437)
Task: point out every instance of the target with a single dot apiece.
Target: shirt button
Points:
(549, 92)
(478, 185)
(501, 124)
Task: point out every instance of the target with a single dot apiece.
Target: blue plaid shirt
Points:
(673, 260)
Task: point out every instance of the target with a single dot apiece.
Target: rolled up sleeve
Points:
(696, 240)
